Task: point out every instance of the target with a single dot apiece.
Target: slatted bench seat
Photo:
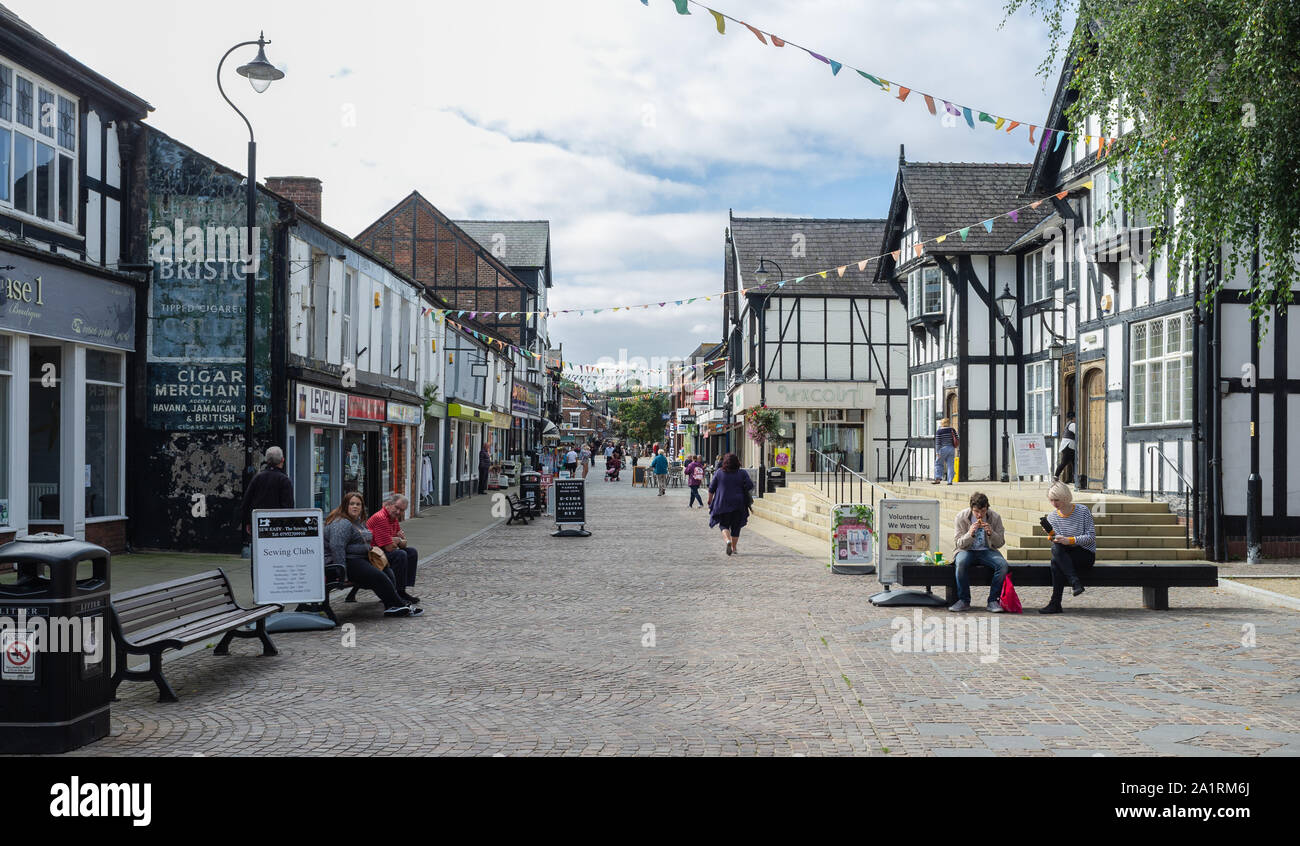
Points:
(1154, 579)
(520, 511)
(175, 614)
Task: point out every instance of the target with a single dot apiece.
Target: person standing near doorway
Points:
(1065, 467)
(945, 451)
(484, 465)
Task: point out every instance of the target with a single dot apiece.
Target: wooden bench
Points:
(521, 511)
(1154, 579)
(175, 614)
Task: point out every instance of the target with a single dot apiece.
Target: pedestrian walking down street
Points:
(270, 488)
(729, 500)
(585, 458)
(945, 452)
(484, 466)
(695, 478)
(1074, 543)
(659, 467)
(1065, 467)
(571, 461)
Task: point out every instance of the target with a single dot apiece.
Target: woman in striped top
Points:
(1074, 543)
(945, 450)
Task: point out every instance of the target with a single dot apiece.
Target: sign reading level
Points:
(570, 501)
(288, 555)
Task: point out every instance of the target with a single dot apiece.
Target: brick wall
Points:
(304, 191)
(110, 534)
(1282, 547)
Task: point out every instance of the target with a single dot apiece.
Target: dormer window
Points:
(38, 148)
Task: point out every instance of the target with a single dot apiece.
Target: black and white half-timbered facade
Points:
(956, 365)
(1155, 377)
(833, 356)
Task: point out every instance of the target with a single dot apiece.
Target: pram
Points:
(612, 468)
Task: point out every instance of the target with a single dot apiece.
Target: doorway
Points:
(1093, 436)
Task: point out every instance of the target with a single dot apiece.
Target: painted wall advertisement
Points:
(200, 249)
(853, 539)
(910, 529)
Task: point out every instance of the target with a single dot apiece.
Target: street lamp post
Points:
(761, 276)
(260, 74)
(1007, 306)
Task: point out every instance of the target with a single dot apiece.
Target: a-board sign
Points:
(570, 501)
(853, 538)
(638, 476)
(1032, 458)
(908, 529)
(288, 555)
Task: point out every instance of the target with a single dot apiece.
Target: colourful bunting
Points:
(1014, 215)
(862, 265)
(835, 67)
(722, 24)
(1061, 195)
(964, 231)
(929, 102)
(988, 225)
(970, 121)
(757, 34)
(916, 250)
(895, 254)
(903, 92)
(840, 270)
(682, 6)
(941, 239)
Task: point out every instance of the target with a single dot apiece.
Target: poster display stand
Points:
(853, 539)
(570, 508)
(288, 565)
(909, 529)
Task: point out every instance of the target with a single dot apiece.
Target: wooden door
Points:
(1094, 429)
(951, 410)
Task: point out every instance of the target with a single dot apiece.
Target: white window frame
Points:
(120, 384)
(922, 397)
(1152, 403)
(917, 301)
(1040, 384)
(12, 126)
(1039, 275)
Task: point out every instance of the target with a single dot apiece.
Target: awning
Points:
(469, 412)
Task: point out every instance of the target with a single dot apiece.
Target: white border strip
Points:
(1269, 596)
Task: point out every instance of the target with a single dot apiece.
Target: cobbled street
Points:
(539, 645)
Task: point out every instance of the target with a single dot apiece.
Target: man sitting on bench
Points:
(979, 534)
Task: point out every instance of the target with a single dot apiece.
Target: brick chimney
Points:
(304, 191)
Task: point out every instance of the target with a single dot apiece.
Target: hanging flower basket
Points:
(762, 424)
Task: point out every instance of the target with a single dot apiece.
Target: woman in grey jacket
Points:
(347, 546)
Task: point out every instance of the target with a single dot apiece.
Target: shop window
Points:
(103, 477)
(44, 443)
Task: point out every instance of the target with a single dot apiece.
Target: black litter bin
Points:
(775, 479)
(530, 490)
(54, 645)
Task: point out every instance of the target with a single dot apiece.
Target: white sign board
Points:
(908, 528)
(288, 555)
(1032, 457)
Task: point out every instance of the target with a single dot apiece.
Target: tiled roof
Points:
(949, 196)
(802, 246)
(518, 243)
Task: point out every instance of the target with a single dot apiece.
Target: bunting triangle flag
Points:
(757, 34)
(988, 225)
(776, 42)
(862, 265)
(682, 6)
(840, 270)
(1035, 204)
(781, 284)
(722, 22)
(1059, 136)
(1088, 185)
(1032, 127)
(596, 311)
(916, 250)
(998, 124)
(800, 279)
(970, 121)
(895, 254)
(871, 78)
(986, 118)
(1014, 215)
(941, 239)
(1013, 125)
(903, 92)
(929, 102)
(822, 274)
(1061, 195)
(964, 231)
(835, 67)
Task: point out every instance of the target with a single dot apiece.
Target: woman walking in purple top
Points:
(729, 500)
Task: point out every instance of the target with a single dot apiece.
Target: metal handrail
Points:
(832, 478)
(1153, 449)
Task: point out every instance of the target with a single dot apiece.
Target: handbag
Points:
(378, 558)
(1009, 600)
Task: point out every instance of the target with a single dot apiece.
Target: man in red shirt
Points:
(388, 536)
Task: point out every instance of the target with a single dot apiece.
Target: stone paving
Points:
(539, 645)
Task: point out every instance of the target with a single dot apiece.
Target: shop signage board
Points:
(525, 399)
(407, 415)
(288, 555)
(313, 404)
(909, 528)
(701, 395)
(39, 298)
(570, 496)
(853, 539)
(366, 408)
(1032, 457)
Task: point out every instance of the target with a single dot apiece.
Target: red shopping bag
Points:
(1009, 600)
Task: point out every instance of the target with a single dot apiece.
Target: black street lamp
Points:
(761, 276)
(260, 74)
(1007, 306)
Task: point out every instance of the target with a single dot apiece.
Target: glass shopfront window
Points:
(838, 433)
(399, 459)
(354, 462)
(386, 461)
(323, 443)
(103, 479)
(45, 441)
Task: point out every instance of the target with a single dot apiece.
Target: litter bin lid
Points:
(50, 548)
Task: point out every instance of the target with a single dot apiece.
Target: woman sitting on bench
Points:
(347, 545)
(1074, 543)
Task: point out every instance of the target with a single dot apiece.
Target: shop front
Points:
(401, 431)
(365, 453)
(432, 450)
(315, 450)
(469, 426)
(830, 419)
(65, 334)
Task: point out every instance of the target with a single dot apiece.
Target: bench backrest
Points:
(143, 612)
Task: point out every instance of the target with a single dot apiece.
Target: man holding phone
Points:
(979, 535)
